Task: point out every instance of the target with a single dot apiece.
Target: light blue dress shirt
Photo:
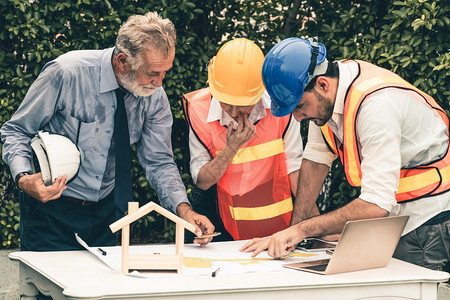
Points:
(74, 96)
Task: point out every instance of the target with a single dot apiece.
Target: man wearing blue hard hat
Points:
(392, 139)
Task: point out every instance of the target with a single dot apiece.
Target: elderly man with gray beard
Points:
(77, 95)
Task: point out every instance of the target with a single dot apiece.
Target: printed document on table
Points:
(204, 260)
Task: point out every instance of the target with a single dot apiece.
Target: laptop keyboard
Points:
(320, 268)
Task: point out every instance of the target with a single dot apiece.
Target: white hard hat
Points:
(57, 156)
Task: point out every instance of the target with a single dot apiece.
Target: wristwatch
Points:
(20, 175)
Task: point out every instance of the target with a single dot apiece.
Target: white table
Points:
(81, 275)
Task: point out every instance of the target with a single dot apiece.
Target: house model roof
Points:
(144, 210)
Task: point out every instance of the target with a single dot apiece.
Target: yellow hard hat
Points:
(234, 74)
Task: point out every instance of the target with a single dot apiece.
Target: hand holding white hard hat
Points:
(57, 156)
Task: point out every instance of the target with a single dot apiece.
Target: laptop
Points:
(364, 244)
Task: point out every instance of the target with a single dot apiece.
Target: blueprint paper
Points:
(204, 260)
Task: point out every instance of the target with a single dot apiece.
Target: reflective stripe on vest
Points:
(254, 195)
(263, 212)
(414, 183)
(256, 152)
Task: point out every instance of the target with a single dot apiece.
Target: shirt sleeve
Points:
(156, 156)
(199, 155)
(379, 131)
(316, 149)
(293, 146)
(36, 109)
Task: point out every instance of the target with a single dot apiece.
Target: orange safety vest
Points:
(254, 195)
(417, 182)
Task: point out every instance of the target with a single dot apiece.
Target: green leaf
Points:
(417, 23)
(21, 7)
(45, 28)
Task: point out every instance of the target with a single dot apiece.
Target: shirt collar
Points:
(347, 73)
(217, 114)
(108, 80)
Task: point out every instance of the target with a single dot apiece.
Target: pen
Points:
(214, 273)
(208, 235)
(103, 252)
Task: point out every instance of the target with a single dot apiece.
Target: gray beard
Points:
(129, 83)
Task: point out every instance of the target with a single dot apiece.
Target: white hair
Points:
(141, 32)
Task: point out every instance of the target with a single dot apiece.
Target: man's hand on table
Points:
(278, 245)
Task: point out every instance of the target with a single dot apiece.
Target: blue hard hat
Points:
(287, 69)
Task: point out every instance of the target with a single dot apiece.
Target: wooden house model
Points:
(150, 261)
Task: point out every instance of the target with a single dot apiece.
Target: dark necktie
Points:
(122, 190)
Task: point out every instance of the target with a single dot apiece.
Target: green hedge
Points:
(409, 37)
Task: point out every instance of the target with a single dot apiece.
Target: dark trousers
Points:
(428, 245)
(205, 203)
(51, 226)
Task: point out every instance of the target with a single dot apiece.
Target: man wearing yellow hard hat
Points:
(245, 159)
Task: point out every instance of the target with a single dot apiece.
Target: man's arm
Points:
(293, 180)
(36, 109)
(333, 222)
(293, 151)
(213, 170)
(317, 159)
(310, 182)
(283, 242)
(155, 155)
(154, 149)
